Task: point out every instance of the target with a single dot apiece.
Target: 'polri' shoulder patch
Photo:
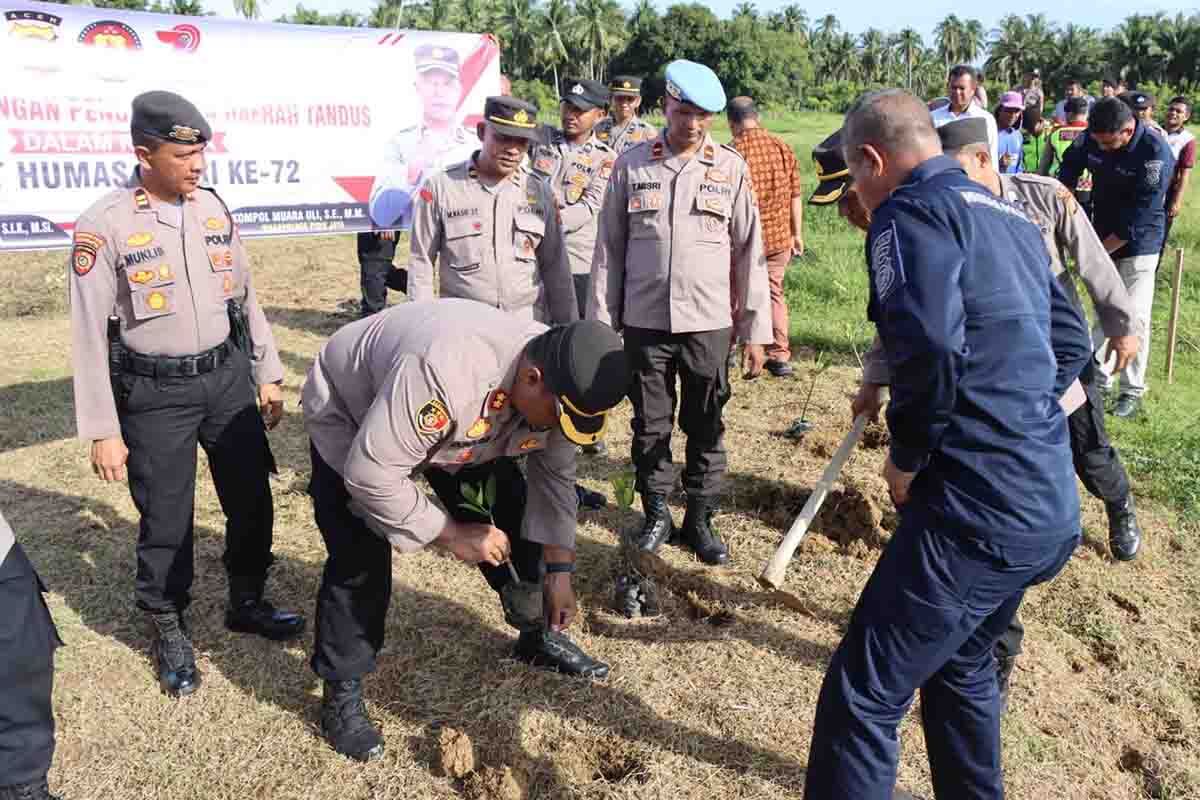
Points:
(887, 270)
(432, 417)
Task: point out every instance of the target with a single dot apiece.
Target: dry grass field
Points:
(712, 699)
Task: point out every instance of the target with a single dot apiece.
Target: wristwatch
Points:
(561, 566)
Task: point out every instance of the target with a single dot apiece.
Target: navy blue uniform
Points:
(1129, 188)
(981, 342)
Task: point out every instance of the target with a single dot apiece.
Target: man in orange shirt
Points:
(776, 182)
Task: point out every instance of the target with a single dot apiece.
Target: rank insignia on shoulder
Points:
(83, 255)
(709, 152)
(141, 199)
(602, 136)
(498, 400)
(479, 429)
(464, 456)
(531, 443)
(140, 239)
(432, 417)
(214, 224)
(636, 136)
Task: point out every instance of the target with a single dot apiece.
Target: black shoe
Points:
(780, 369)
(658, 527)
(38, 790)
(248, 612)
(173, 655)
(597, 449)
(556, 651)
(1124, 533)
(1127, 406)
(1004, 668)
(344, 722)
(697, 533)
(588, 499)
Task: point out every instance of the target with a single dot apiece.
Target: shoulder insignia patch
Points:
(1153, 175)
(426, 195)
(882, 266)
(141, 199)
(432, 417)
(83, 255)
(479, 429)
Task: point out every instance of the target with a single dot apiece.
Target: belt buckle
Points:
(188, 367)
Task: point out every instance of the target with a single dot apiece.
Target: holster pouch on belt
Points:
(522, 602)
(239, 327)
(116, 354)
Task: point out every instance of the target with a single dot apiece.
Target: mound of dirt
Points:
(456, 753)
(849, 516)
(497, 783)
(876, 436)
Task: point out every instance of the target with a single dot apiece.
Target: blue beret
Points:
(694, 83)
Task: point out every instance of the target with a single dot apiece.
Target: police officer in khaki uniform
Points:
(623, 128)
(28, 640)
(576, 165)
(678, 213)
(492, 228)
(160, 288)
(456, 391)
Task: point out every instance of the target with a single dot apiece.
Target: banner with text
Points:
(315, 129)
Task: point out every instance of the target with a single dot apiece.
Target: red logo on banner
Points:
(182, 37)
(110, 33)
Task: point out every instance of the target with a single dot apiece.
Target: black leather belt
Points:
(176, 366)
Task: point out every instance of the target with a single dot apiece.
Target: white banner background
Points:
(301, 115)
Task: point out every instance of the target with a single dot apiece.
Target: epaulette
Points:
(221, 200)
(734, 150)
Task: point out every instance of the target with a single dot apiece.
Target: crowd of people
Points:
(555, 272)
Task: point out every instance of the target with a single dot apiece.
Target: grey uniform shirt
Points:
(1069, 236)
(622, 137)
(7, 540)
(429, 384)
(501, 245)
(577, 175)
(678, 241)
(166, 271)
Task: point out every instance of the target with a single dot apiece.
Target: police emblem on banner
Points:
(1153, 174)
(881, 264)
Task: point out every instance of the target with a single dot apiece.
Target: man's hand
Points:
(754, 356)
(387, 236)
(1126, 347)
(1174, 209)
(797, 246)
(558, 601)
(109, 457)
(869, 401)
(270, 404)
(474, 542)
(898, 482)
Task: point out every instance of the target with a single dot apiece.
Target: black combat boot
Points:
(344, 722)
(537, 646)
(697, 532)
(1004, 669)
(588, 499)
(38, 790)
(658, 527)
(1124, 533)
(248, 612)
(177, 673)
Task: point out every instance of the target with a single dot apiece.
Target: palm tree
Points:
(643, 17)
(516, 27)
(827, 28)
(1134, 49)
(910, 45)
(1006, 51)
(840, 59)
(795, 21)
(948, 36)
(873, 56)
(600, 25)
(973, 42)
(555, 17)
(472, 16)
(250, 9)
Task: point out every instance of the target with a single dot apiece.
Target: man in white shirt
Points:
(961, 89)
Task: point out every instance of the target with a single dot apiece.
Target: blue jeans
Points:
(927, 619)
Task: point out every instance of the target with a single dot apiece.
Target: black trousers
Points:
(698, 360)
(375, 255)
(356, 585)
(582, 284)
(162, 419)
(1098, 466)
(28, 639)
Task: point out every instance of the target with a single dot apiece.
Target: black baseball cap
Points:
(586, 368)
(1075, 105)
(962, 132)
(1138, 100)
(833, 175)
(512, 117)
(170, 117)
(585, 94)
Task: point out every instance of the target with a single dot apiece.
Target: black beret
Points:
(167, 116)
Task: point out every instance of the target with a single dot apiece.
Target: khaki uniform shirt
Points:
(501, 245)
(622, 137)
(7, 540)
(1067, 234)
(414, 154)
(675, 237)
(577, 175)
(166, 271)
(430, 384)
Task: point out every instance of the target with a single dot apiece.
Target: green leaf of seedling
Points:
(470, 493)
(490, 492)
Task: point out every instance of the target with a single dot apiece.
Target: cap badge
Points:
(521, 117)
(626, 85)
(436, 53)
(577, 89)
(673, 90)
(182, 133)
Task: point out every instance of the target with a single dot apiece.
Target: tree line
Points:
(784, 58)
